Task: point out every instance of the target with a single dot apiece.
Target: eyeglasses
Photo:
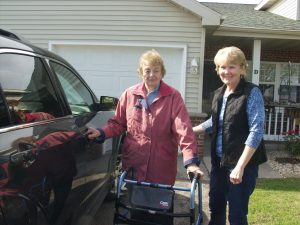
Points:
(153, 72)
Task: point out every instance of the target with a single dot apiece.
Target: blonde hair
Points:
(231, 55)
(152, 57)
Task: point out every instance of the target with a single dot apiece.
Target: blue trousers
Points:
(237, 195)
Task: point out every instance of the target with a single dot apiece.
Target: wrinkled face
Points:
(230, 73)
(152, 75)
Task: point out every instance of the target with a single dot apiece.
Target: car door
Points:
(37, 142)
(48, 171)
(99, 160)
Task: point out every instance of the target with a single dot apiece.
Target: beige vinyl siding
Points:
(157, 22)
(286, 8)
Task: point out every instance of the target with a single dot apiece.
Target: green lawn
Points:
(275, 202)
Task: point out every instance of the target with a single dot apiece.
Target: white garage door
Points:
(109, 70)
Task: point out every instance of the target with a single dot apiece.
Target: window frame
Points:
(52, 80)
(6, 106)
(96, 102)
(280, 69)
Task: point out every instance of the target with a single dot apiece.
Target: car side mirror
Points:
(108, 103)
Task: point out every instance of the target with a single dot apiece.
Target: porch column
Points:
(256, 61)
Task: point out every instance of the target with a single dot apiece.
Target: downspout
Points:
(201, 70)
(289, 81)
(298, 10)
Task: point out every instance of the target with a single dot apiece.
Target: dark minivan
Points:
(49, 172)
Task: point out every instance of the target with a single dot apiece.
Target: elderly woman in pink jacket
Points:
(156, 122)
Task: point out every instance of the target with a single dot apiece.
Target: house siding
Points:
(286, 8)
(141, 21)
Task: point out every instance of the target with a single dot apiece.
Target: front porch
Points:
(280, 119)
(270, 40)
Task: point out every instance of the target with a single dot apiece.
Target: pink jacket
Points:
(153, 136)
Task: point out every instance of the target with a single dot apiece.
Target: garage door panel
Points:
(104, 83)
(103, 86)
(109, 70)
(126, 82)
(173, 83)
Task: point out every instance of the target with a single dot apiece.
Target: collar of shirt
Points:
(150, 97)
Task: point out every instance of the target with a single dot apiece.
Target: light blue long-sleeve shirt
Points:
(256, 118)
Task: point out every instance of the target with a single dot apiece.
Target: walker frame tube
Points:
(194, 184)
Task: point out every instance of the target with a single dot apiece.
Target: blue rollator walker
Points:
(153, 203)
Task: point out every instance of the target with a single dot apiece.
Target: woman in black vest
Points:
(237, 148)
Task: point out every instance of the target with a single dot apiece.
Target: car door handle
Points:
(25, 156)
(23, 146)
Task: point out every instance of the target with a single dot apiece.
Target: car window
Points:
(27, 89)
(78, 96)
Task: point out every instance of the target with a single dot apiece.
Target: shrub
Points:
(292, 142)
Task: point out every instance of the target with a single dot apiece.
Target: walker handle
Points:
(192, 176)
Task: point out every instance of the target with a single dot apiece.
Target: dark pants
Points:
(237, 195)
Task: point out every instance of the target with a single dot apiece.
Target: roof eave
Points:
(265, 4)
(209, 17)
(257, 33)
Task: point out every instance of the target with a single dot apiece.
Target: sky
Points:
(233, 1)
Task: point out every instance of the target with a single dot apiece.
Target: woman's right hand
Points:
(92, 133)
(194, 170)
(96, 134)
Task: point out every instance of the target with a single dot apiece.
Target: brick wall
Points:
(211, 51)
(266, 55)
(280, 56)
(196, 119)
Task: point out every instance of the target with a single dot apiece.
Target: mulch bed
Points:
(290, 160)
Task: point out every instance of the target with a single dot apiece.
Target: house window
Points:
(267, 81)
(267, 73)
(280, 82)
(289, 88)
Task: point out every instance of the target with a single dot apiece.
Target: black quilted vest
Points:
(235, 127)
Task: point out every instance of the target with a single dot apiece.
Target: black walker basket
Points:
(153, 204)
